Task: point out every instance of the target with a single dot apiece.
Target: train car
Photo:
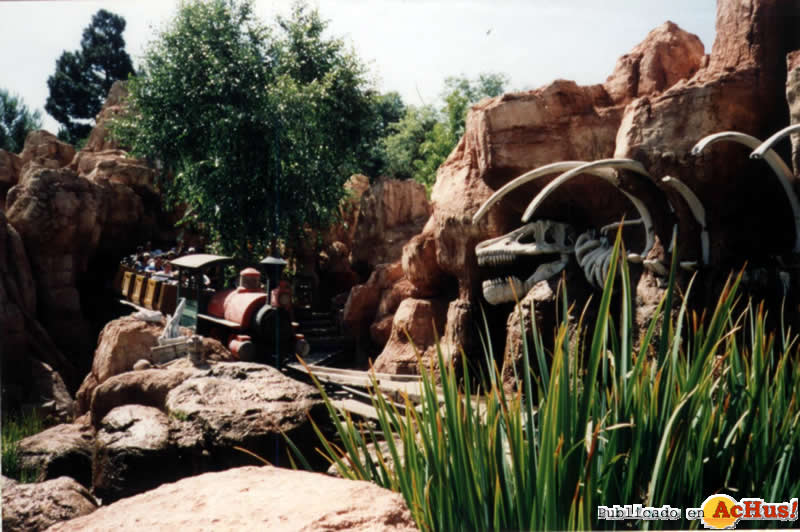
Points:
(242, 317)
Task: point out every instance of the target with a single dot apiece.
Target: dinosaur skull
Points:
(529, 248)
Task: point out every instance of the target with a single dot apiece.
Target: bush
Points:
(707, 408)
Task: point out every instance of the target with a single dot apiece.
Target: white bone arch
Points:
(591, 168)
(763, 150)
(533, 175)
(767, 145)
(698, 211)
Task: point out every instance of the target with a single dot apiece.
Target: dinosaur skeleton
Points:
(543, 238)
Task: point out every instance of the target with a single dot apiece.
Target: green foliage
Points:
(387, 110)
(709, 408)
(16, 428)
(422, 140)
(83, 78)
(259, 135)
(16, 121)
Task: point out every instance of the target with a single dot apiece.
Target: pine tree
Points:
(83, 78)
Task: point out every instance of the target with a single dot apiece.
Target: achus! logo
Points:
(722, 511)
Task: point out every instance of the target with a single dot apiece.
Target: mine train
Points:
(252, 320)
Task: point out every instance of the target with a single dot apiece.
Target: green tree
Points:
(16, 121)
(259, 135)
(387, 110)
(83, 78)
(423, 139)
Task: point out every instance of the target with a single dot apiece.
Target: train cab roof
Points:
(200, 261)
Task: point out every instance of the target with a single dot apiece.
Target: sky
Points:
(410, 46)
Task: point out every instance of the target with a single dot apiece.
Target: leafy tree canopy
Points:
(16, 121)
(421, 141)
(83, 78)
(256, 127)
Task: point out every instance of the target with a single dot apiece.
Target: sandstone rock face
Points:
(741, 89)
(44, 148)
(391, 212)
(29, 354)
(667, 55)
(419, 319)
(520, 319)
(76, 215)
(10, 165)
(60, 218)
(254, 498)
(35, 507)
(63, 450)
(99, 138)
(363, 300)
(793, 97)
(114, 166)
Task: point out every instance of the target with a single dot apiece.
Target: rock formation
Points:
(254, 498)
(35, 507)
(75, 215)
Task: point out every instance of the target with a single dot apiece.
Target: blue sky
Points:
(409, 45)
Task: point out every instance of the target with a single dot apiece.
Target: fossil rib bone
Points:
(534, 174)
(622, 164)
(763, 150)
(760, 151)
(698, 211)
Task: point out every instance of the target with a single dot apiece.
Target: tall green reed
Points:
(703, 405)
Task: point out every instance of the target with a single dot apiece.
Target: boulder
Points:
(792, 96)
(254, 498)
(35, 507)
(381, 330)
(134, 453)
(419, 262)
(363, 300)
(421, 320)
(44, 148)
(667, 55)
(145, 387)
(121, 344)
(62, 450)
(186, 419)
(243, 404)
(391, 212)
(114, 166)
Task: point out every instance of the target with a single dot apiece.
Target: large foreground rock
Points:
(160, 425)
(254, 498)
(34, 507)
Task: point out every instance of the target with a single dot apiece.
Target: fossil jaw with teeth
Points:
(536, 239)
